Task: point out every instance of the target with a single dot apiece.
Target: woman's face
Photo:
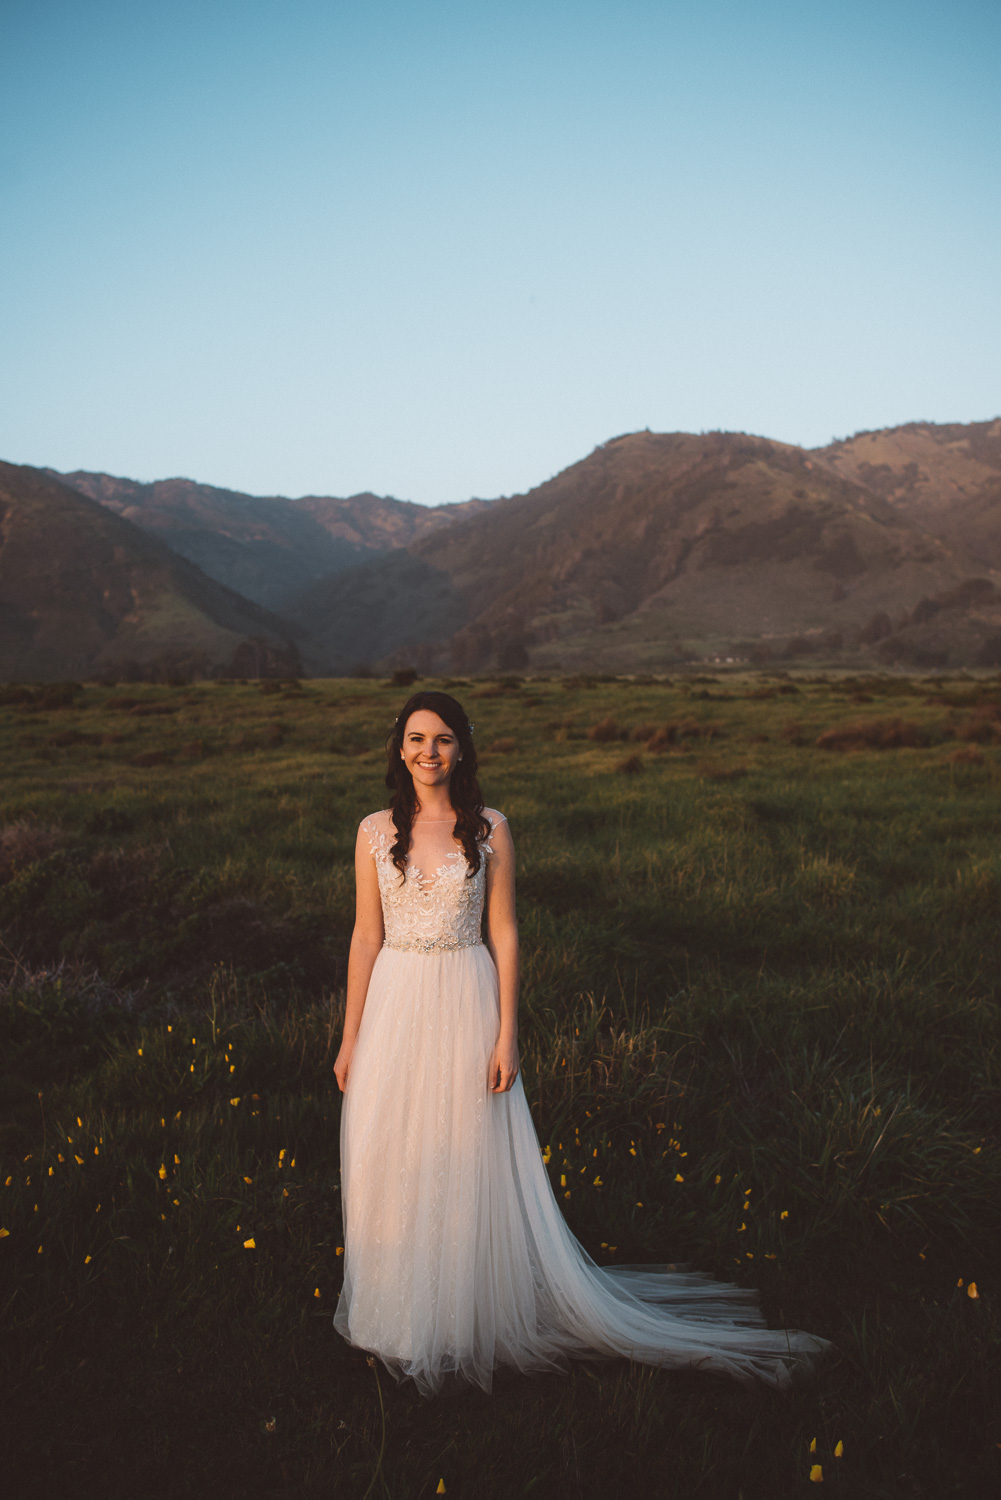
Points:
(430, 749)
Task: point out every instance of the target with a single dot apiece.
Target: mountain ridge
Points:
(656, 548)
(266, 547)
(83, 592)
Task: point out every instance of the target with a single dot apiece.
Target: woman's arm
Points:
(366, 941)
(502, 941)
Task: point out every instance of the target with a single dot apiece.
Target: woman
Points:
(456, 1256)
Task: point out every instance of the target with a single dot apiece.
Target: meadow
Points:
(760, 1035)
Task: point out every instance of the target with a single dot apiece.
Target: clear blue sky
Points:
(441, 249)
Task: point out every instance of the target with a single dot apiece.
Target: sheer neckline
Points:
(426, 882)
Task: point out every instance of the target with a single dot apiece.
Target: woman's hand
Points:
(343, 1063)
(503, 1069)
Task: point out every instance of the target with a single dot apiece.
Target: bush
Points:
(605, 731)
(24, 843)
(874, 734)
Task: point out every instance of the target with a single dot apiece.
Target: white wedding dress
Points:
(456, 1256)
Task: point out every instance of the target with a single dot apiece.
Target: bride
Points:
(456, 1256)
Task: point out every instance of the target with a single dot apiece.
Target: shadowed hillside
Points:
(267, 548)
(660, 547)
(83, 591)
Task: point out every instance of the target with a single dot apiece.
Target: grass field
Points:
(761, 946)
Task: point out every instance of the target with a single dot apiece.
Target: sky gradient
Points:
(443, 250)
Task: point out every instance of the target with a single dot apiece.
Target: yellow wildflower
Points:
(839, 1448)
(813, 1445)
(163, 1172)
(87, 1259)
(971, 1291)
(317, 1292)
(441, 1487)
(51, 1171)
(598, 1182)
(741, 1229)
(718, 1180)
(78, 1160)
(250, 1244)
(236, 1100)
(140, 1051)
(816, 1474)
(784, 1214)
(4, 1234)
(248, 1179)
(339, 1250)
(678, 1177)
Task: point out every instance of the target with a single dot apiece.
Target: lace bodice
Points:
(428, 910)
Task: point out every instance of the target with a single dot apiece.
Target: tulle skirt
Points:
(456, 1255)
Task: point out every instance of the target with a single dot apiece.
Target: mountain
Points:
(267, 548)
(945, 477)
(658, 548)
(84, 591)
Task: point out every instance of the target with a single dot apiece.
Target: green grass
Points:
(760, 1004)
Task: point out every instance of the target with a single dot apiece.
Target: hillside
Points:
(267, 548)
(945, 477)
(658, 548)
(84, 591)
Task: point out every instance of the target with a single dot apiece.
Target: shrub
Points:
(606, 730)
(874, 734)
(23, 843)
(149, 758)
(631, 766)
(710, 772)
(966, 755)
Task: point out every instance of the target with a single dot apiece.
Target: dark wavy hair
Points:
(471, 827)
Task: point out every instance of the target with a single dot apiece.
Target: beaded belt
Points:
(430, 945)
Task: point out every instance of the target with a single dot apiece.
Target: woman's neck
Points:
(434, 806)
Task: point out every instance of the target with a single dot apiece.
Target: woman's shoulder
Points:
(376, 827)
(496, 820)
